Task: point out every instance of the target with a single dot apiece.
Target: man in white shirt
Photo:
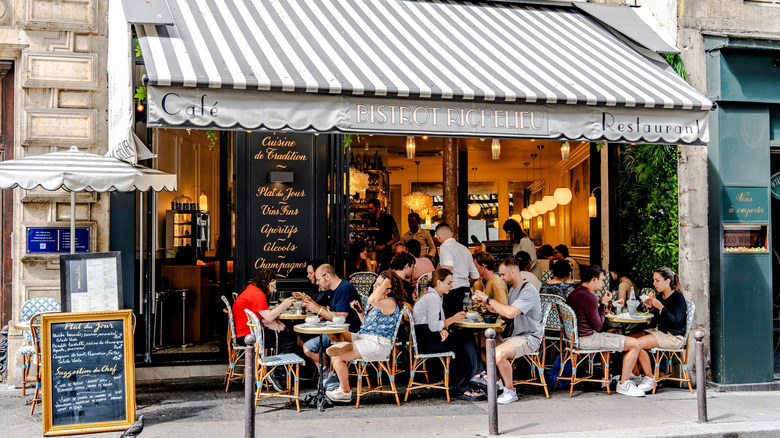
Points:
(457, 258)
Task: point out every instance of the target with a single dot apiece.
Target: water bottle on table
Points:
(632, 303)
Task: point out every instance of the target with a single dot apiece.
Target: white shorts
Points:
(603, 341)
(667, 341)
(372, 348)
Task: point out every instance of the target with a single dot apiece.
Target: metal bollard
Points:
(249, 387)
(701, 381)
(490, 353)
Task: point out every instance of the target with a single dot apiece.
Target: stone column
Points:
(450, 183)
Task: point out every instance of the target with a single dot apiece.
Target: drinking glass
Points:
(298, 304)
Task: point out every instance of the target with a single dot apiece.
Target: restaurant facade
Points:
(252, 106)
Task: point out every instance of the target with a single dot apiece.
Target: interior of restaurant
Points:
(503, 179)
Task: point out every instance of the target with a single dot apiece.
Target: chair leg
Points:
(573, 359)
(360, 369)
(391, 377)
(605, 363)
(297, 400)
(657, 370)
(447, 377)
(412, 369)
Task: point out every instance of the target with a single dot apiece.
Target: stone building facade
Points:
(58, 53)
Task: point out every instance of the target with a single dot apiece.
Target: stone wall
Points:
(59, 49)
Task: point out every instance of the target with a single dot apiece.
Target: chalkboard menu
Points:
(281, 191)
(500, 249)
(88, 374)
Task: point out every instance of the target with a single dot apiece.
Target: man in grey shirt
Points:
(525, 309)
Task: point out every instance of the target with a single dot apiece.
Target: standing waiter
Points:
(458, 259)
(387, 235)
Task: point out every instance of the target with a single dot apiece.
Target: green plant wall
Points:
(649, 221)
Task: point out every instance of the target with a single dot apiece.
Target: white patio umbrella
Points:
(77, 171)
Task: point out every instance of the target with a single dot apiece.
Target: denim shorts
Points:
(313, 344)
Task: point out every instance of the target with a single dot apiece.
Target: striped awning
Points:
(412, 66)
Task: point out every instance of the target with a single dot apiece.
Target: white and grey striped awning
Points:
(408, 66)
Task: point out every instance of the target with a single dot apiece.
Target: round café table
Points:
(624, 320)
(321, 330)
(481, 325)
(292, 316)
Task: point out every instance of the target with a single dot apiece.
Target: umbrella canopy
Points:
(77, 171)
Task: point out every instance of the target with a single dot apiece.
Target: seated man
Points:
(494, 286)
(343, 294)
(590, 322)
(526, 311)
(403, 264)
(422, 265)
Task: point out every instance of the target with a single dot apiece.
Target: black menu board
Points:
(281, 191)
(89, 381)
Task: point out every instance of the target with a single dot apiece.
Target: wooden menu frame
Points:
(128, 361)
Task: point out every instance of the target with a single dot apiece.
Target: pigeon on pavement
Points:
(135, 429)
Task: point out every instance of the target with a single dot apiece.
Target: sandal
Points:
(473, 395)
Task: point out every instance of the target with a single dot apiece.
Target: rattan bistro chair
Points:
(659, 354)
(27, 351)
(381, 366)
(553, 328)
(235, 351)
(574, 354)
(535, 359)
(265, 365)
(418, 366)
(364, 283)
(422, 284)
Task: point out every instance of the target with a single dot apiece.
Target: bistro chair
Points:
(572, 353)
(418, 366)
(265, 365)
(364, 283)
(546, 275)
(235, 351)
(681, 354)
(553, 328)
(381, 366)
(422, 284)
(28, 310)
(35, 330)
(536, 359)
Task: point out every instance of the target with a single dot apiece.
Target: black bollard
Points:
(490, 353)
(701, 380)
(249, 387)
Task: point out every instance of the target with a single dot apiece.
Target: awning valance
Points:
(406, 66)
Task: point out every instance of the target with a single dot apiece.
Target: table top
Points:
(465, 323)
(293, 316)
(321, 329)
(626, 318)
(23, 325)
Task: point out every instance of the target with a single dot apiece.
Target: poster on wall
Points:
(281, 197)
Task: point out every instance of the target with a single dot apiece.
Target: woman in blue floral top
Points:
(374, 341)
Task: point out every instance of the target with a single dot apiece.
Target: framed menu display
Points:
(91, 282)
(88, 372)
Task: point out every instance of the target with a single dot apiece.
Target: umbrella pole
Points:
(72, 222)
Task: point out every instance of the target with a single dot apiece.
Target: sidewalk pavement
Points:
(201, 408)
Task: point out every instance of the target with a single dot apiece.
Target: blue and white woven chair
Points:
(546, 275)
(536, 359)
(574, 354)
(418, 366)
(381, 366)
(235, 351)
(364, 283)
(28, 309)
(659, 354)
(553, 328)
(265, 365)
(422, 284)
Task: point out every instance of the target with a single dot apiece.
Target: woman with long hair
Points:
(521, 242)
(434, 336)
(374, 341)
(561, 252)
(669, 318)
(358, 258)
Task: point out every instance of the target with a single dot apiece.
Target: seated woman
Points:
(374, 341)
(620, 277)
(433, 336)
(254, 298)
(669, 318)
(318, 294)
(561, 252)
(557, 285)
(358, 258)
(545, 256)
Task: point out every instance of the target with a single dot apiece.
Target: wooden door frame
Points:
(6, 196)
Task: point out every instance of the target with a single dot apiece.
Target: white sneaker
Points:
(506, 397)
(629, 388)
(634, 378)
(647, 384)
(338, 395)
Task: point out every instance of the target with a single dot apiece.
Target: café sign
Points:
(745, 204)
